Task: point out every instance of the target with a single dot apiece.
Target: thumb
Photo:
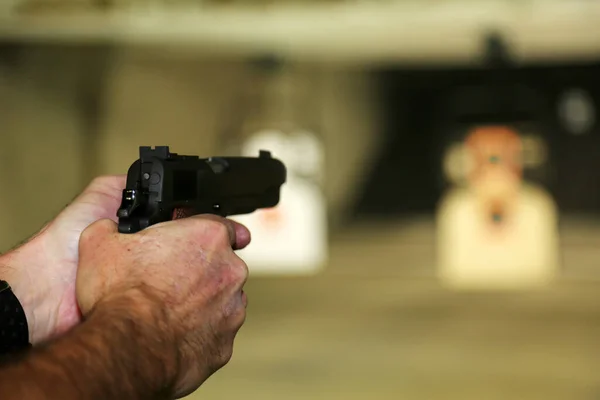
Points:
(97, 232)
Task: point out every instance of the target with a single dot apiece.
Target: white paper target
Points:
(292, 237)
(495, 231)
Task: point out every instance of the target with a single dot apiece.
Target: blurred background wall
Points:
(88, 109)
(392, 90)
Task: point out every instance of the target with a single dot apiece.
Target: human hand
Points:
(188, 273)
(42, 271)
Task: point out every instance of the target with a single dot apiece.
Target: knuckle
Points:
(105, 225)
(240, 318)
(216, 231)
(241, 269)
(225, 355)
(214, 227)
(238, 271)
(86, 236)
(95, 231)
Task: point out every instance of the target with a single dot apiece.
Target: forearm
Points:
(117, 353)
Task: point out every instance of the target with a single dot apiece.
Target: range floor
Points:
(370, 329)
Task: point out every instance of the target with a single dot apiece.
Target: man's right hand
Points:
(183, 278)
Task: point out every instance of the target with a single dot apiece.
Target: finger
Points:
(240, 235)
(108, 183)
(97, 232)
(101, 198)
(239, 300)
(243, 236)
(231, 231)
(244, 299)
(105, 226)
(242, 271)
(232, 227)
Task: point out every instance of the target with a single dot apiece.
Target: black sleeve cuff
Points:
(14, 332)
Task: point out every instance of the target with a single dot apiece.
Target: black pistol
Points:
(161, 182)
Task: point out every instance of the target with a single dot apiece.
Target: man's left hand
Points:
(42, 271)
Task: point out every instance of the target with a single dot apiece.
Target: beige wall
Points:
(40, 150)
(50, 148)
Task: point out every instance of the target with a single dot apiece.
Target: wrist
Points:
(140, 317)
(18, 267)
